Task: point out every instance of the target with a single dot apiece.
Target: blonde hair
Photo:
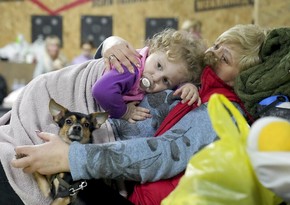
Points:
(249, 39)
(187, 25)
(52, 40)
(180, 46)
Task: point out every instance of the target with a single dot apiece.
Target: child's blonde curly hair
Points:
(249, 39)
(180, 46)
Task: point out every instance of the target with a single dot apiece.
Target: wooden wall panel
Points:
(128, 19)
(271, 13)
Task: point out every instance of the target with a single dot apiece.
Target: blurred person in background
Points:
(3, 89)
(51, 58)
(87, 50)
(193, 27)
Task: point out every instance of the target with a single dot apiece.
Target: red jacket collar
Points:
(210, 84)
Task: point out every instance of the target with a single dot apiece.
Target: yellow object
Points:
(275, 137)
(221, 173)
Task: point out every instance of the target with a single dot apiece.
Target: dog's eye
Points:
(86, 124)
(68, 121)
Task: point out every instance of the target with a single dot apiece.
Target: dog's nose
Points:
(77, 128)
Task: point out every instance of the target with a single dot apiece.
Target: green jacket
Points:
(272, 76)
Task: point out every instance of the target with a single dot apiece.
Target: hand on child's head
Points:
(117, 52)
(188, 93)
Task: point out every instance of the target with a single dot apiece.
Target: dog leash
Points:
(75, 188)
(65, 189)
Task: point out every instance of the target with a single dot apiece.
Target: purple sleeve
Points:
(108, 91)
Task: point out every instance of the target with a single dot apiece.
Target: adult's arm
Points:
(125, 54)
(144, 159)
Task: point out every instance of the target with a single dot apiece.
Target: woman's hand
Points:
(117, 52)
(50, 157)
(188, 93)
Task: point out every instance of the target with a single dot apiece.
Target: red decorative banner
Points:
(52, 12)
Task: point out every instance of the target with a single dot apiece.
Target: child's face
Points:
(223, 60)
(162, 73)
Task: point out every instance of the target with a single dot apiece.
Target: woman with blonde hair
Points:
(51, 58)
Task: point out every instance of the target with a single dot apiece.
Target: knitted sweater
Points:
(272, 76)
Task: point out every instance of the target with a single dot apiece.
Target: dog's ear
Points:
(98, 118)
(56, 110)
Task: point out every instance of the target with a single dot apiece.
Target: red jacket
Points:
(152, 193)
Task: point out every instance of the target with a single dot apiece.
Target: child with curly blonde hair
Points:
(170, 58)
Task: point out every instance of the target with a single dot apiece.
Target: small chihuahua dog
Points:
(74, 126)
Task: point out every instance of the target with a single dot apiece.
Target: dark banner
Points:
(205, 5)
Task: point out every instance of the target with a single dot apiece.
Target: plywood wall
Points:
(128, 19)
(271, 13)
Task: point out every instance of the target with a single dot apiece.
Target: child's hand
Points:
(188, 92)
(135, 113)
